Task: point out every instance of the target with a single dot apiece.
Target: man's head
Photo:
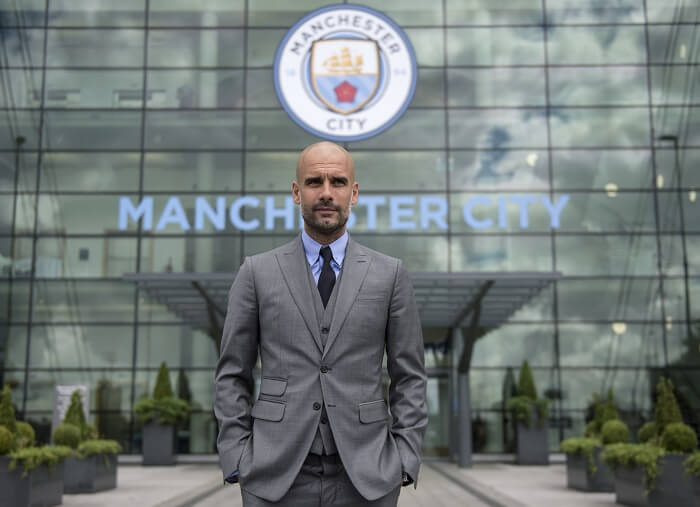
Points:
(325, 188)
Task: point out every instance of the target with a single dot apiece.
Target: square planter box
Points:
(578, 476)
(91, 474)
(42, 487)
(158, 444)
(671, 488)
(532, 444)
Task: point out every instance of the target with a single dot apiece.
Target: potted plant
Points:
(692, 468)
(92, 463)
(585, 469)
(159, 416)
(531, 416)
(28, 475)
(652, 473)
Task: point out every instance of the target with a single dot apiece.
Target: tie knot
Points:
(326, 253)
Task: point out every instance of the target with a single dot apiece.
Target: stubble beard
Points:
(322, 227)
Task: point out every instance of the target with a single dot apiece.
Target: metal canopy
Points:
(444, 299)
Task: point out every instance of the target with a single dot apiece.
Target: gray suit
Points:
(271, 308)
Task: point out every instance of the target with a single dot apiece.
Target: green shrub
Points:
(89, 432)
(646, 456)
(526, 382)
(7, 411)
(615, 432)
(162, 411)
(75, 414)
(67, 434)
(33, 457)
(25, 436)
(163, 387)
(667, 410)
(7, 441)
(582, 447)
(679, 438)
(692, 464)
(591, 430)
(92, 447)
(647, 432)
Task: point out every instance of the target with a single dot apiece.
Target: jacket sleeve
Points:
(405, 362)
(234, 383)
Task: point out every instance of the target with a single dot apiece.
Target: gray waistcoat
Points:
(323, 441)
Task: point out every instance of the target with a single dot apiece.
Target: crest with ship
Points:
(345, 73)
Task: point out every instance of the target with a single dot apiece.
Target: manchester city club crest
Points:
(345, 72)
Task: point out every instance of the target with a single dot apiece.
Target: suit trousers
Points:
(322, 482)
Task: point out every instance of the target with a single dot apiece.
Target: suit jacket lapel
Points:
(355, 266)
(293, 264)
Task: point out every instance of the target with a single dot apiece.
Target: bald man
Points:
(322, 311)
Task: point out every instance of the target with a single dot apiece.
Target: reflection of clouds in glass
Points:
(628, 127)
(495, 46)
(622, 299)
(596, 45)
(595, 11)
(594, 169)
(500, 170)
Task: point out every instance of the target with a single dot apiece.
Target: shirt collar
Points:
(312, 248)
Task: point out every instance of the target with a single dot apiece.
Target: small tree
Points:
(163, 387)
(7, 411)
(75, 414)
(667, 410)
(526, 384)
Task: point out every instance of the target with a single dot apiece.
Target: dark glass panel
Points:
(607, 170)
(622, 11)
(185, 89)
(499, 170)
(22, 47)
(28, 13)
(20, 88)
(95, 48)
(495, 87)
(13, 339)
(628, 255)
(90, 172)
(498, 129)
(196, 13)
(196, 130)
(596, 45)
(680, 122)
(598, 127)
(616, 300)
(663, 11)
(195, 48)
(200, 171)
(674, 84)
(191, 254)
(26, 181)
(501, 253)
(486, 12)
(674, 43)
(275, 130)
(598, 86)
(178, 346)
(430, 89)
(511, 344)
(96, 13)
(14, 124)
(75, 89)
(109, 130)
(81, 214)
(631, 388)
(280, 12)
(602, 212)
(418, 254)
(262, 46)
(107, 256)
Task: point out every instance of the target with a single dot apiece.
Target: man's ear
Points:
(295, 193)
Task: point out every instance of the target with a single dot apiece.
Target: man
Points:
(322, 310)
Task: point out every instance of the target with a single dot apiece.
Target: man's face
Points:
(325, 188)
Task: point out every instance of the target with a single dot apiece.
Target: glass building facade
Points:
(594, 102)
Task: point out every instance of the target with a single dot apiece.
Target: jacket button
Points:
(317, 405)
(324, 330)
(324, 369)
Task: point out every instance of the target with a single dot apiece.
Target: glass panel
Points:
(275, 130)
(674, 303)
(569, 86)
(193, 130)
(513, 343)
(178, 346)
(682, 122)
(427, 45)
(198, 386)
(184, 89)
(497, 129)
(81, 346)
(628, 127)
(596, 45)
(95, 48)
(96, 13)
(495, 46)
(577, 11)
(13, 342)
(203, 430)
(23, 48)
(262, 46)
(110, 130)
(693, 245)
(415, 129)
(27, 171)
(20, 88)
(81, 302)
(86, 172)
(615, 300)
(257, 244)
(499, 169)
(683, 347)
(501, 253)
(631, 255)
(191, 254)
(494, 87)
(74, 89)
(598, 212)
(86, 257)
(505, 212)
(661, 11)
(18, 304)
(79, 214)
(14, 124)
(260, 89)
(200, 171)
(437, 403)
(195, 48)
(42, 385)
(409, 12)
(196, 13)
(280, 12)
(632, 387)
(594, 344)
(487, 12)
(24, 214)
(30, 13)
(487, 386)
(674, 43)
(671, 85)
(427, 253)
(691, 211)
(430, 90)
(603, 169)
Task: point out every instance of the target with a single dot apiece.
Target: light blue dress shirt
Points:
(312, 248)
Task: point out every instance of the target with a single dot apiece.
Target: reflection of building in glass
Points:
(111, 102)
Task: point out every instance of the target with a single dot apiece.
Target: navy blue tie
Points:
(326, 280)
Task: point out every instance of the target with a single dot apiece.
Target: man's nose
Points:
(326, 193)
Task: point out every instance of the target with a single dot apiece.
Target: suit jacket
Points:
(270, 310)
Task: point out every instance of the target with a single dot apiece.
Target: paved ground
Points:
(442, 484)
